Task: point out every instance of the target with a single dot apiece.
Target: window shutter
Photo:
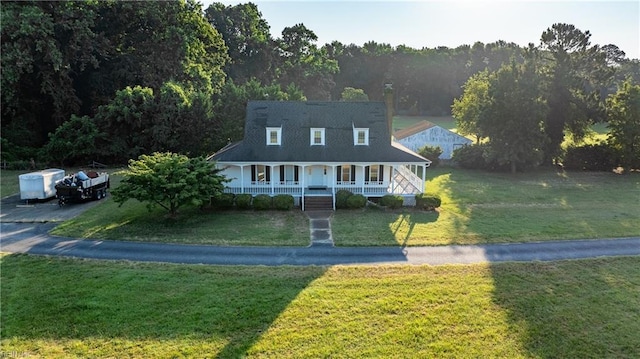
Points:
(295, 173)
(282, 173)
(339, 173)
(253, 173)
(381, 173)
(353, 173)
(267, 170)
(366, 173)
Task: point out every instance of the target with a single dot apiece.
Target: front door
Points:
(317, 176)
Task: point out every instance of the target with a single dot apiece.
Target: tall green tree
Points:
(246, 34)
(127, 121)
(73, 141)
(513, 117)
(304, 64)
(70, 57)
(468, 109)
(44, 46)
(575, 72)
(623, 113)
(169, 180)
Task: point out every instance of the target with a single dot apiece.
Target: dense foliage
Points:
(171, 76)
(591, 157)
(623, 109)
(431, 153)
(169, 180)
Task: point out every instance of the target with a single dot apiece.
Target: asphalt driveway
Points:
(15, 210)
(33, 238)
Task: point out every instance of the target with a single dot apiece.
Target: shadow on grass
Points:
(379, 227)
(572, 309)
(112, 306)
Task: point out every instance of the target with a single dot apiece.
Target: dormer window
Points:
(360, 136)
(274, 136)
(317, 136)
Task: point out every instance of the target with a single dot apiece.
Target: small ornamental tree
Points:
(170, 181)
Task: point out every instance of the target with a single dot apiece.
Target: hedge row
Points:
(426, 201)
(261, 202)
(590, 157)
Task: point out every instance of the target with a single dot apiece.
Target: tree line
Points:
(110, 80)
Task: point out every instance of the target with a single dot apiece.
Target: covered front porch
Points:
(313, 179)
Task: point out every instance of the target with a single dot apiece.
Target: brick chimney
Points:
(388, 100)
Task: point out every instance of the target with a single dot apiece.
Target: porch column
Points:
(241, 178)
(363, 179)
(393, 183)
(302, 186)
(271, 167)
(424, 178)
(334, 183)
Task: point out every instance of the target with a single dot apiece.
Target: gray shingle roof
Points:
(297, 118)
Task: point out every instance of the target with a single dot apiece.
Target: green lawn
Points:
(133, 222)
(480, 207)
(10, 182)
(70, 308)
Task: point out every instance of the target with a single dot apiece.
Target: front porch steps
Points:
(318, 203)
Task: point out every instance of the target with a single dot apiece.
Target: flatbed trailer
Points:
(80, 187)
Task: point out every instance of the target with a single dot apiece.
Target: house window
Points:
(346, 174)
(289, 175)
(374, 173)
(317, 136)
(361, 136)
(274, 136)
(260, 173)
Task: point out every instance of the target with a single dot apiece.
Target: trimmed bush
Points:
(262, 202)
(283, 202)
(243, 201)
(223, 201)
(356, 201)
(428, 201)
(341, 198)
(391, 201)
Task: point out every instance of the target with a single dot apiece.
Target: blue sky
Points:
(431, 24)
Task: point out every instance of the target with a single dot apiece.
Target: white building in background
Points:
(426, 133)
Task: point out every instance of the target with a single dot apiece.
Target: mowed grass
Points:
(134, 222)
(10, 182)
(481, 207)
(478, 207)
(70, 308)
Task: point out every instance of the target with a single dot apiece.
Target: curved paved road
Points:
(33, 238)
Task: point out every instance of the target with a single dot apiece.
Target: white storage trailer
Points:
(41, 184)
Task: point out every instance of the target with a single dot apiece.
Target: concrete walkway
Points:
(320, 228)
(33, 238)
